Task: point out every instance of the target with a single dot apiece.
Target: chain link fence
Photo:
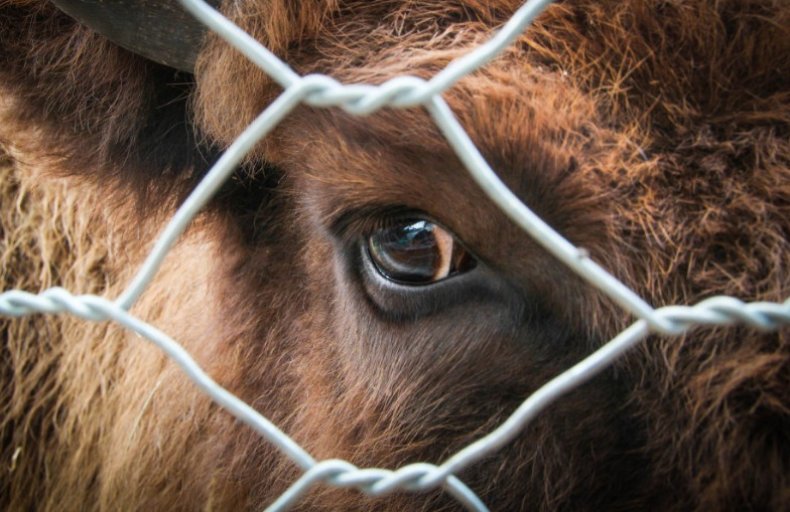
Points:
(361, 99)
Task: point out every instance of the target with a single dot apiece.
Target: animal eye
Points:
(417, 252)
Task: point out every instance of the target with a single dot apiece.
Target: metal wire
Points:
(362, 99)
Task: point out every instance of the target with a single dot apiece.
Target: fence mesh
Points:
(361, 99)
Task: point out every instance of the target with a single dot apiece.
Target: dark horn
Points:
(159, 30)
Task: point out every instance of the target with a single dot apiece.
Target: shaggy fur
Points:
(654, 133)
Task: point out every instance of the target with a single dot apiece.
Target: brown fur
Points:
(652, 133)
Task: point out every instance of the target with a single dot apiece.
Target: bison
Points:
(351, 281)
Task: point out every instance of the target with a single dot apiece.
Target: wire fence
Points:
(360, 99)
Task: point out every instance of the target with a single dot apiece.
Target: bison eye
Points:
(417, 252)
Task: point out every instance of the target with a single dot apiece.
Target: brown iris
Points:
(417, 252)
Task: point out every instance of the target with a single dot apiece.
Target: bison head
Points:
(351, 281)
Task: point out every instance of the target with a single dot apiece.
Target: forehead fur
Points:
(642, 63)
(343, 39)
(652, 132)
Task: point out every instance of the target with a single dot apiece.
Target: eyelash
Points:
(363, 222)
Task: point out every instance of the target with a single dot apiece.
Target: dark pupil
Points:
(408, 252)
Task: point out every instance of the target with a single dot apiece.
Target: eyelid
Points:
(396, 301)
(355, 223)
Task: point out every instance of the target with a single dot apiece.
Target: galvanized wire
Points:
(362, 99)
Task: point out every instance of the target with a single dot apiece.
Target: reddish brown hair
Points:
(652, 133)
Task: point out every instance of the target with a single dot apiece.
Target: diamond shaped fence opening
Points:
(360, 99)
